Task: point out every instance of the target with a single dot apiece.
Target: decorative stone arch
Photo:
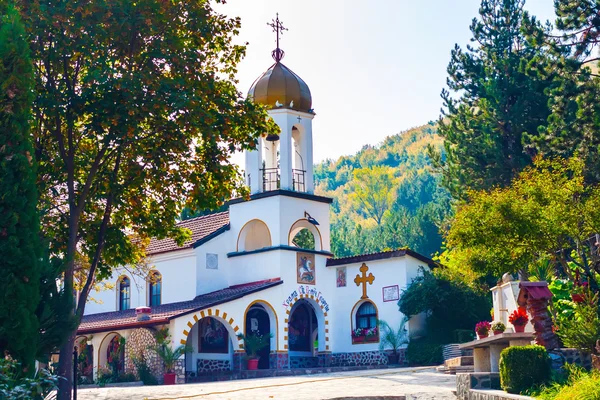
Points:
(304, 224)
(273, 318)
(102, 359)
(220, 316)
(254, 235)
(355, 310)
(322, 320)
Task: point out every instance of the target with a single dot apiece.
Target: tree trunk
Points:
(65, 369)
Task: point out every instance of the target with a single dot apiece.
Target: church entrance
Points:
(258, 322)
(303, 335)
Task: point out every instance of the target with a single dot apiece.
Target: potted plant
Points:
(169, 357)
(483, 329)
(498, 328)
(519, 319)
(392, 339)
(253, 343)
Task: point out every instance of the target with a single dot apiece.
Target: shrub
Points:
(463, 335)
(421, 352)
(581, 329)
(15, 386)
(522, 367)
(143, 371)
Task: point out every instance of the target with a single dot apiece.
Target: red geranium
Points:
(483, 328)
(518, 317)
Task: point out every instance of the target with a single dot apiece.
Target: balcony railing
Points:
(272, 179)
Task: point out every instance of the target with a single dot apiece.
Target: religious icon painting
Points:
(212, 336)
(341, 277)
(305, 268)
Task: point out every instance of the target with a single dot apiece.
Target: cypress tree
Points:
(19, 221)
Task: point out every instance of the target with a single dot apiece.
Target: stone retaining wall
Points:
(137, 345)
(204, 367)
(563, 356)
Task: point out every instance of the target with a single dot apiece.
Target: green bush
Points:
(463, 335)
(522, 367)
(421, 352)
(143, 371)
(15, 385)
(573, 383)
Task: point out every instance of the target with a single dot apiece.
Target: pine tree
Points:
(19, 222)
(492, 100)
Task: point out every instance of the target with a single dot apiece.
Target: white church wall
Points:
(388, 273)
(178, 272)
(417, 324)
(213, 266)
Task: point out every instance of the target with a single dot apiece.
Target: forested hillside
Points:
(386, 196)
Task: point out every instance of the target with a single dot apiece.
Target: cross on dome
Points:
(278, 28)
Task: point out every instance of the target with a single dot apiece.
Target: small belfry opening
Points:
(253, 236)
(305, 235)
(298, 156)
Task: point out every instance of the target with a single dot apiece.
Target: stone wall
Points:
(364, 358)
(206, 367)
(560, 357)
(137, 345)
(179, 369)
(304, 362)
(279, 360)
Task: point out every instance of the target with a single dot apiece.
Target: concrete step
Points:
(459, 361)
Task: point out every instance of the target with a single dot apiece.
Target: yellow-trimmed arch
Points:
(288, 311)
(353, 315)
(222, 317)
(267, 304)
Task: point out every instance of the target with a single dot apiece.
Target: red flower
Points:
(518, 317)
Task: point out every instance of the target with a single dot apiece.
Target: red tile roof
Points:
(201, 228)
(165, 312)
(379, 256)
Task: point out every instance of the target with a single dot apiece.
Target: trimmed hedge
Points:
(420, 352)
(522, 367)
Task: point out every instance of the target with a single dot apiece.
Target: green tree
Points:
(135, 116)
(374, 191)
(19, 221)
(493, 99)
(573, 128)
(548, 212)
(450, 305)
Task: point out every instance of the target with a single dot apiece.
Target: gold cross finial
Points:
(278, 28)
(364, 279)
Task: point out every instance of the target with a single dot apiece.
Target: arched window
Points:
(366, 316)
(124, 293)
(154, 289)
(365, 327)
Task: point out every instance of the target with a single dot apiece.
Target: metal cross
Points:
(364, 280)
(278, 28)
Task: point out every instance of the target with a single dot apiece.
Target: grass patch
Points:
(574, 383)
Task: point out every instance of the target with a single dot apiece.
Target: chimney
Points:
(143, 313)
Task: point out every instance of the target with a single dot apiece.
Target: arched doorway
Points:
(111, 354)
(303, 335)
(258, 322)
(85, 360)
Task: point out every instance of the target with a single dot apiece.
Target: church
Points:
(263, 267)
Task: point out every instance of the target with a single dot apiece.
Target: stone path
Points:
(413, 383)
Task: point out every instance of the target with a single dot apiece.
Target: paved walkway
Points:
(414, 383)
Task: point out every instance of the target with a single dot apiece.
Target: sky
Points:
(375, 68)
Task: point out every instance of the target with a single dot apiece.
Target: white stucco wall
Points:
(178, 271)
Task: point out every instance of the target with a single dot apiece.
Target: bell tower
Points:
(283, 161)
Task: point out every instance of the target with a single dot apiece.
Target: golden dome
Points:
(280, 87)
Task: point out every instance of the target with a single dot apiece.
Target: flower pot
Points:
(252, 363)
(170, 379)
(393, 359)
(482, 335)
(498, 333)
(365, 339)
(519, 328)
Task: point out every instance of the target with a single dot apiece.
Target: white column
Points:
(308, 155)
(285, 151)
(253, 160)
